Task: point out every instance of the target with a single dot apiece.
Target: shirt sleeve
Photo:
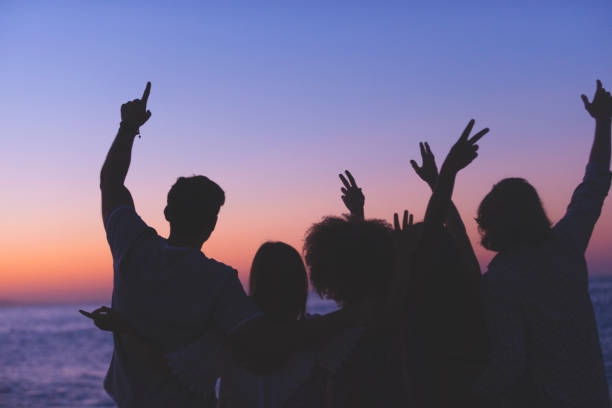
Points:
(233, 307)
(585, 207)
(506, 328)
(123, 227)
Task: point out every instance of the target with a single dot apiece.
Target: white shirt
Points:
(172, 296)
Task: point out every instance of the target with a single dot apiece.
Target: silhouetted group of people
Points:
(418, 325)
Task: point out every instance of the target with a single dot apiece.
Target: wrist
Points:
(128, 129)
(447, 170)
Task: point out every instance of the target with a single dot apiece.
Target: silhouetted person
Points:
(545, 346)
(452, 338)
(435, 267)
(352, 261)
(168, 292)
(278, 284)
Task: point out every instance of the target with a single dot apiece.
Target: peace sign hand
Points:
(352, 196)
(464, 150)
(428, 172)
(134, 114)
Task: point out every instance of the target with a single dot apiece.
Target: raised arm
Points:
(601, 110)
(428, 172)
(112, 177)
(460, 155)
(352, 196)
(585, 206)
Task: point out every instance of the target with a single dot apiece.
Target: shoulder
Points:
(509, 270)
(216, 267)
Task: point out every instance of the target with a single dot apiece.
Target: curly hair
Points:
(193, 201)
(511, 216)
(278, 282)
(349, 259)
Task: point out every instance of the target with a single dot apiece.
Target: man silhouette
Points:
(170, 293)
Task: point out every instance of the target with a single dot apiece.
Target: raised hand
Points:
(352, 196)
(464, 150)
(428, 172)
(601, 106)
(134, 114)
(407, 222)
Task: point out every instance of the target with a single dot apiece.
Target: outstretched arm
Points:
(428, 172)
(585, 207)
(601, 110)
(112, 177)
(352, 196)
(460, 155)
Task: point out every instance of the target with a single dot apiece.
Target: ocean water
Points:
(51, 356)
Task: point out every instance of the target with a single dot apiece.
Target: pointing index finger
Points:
(145, 94)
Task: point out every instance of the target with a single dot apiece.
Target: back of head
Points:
(512, 216)
(349, 260)
(193, 205)
(278, 282)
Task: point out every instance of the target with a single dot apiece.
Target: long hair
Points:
(511, 216)
(278, 282)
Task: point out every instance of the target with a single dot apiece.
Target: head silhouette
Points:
(192, 209)
(278, 282)
(512, 216)
(350, 259)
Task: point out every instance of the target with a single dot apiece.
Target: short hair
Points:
(511, 216)
(278, 282)
(349, 259)
(193, 201)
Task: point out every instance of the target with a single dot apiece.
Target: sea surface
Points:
(51, 356)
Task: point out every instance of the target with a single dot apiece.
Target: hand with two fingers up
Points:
(464, 151)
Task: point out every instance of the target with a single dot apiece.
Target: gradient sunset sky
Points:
(272, 102)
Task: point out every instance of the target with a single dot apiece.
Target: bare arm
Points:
(428, 172)
(114, 171)
(262, 344)
(460, 155)
(408, 286)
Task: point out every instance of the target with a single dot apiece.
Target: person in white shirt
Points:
(545, 349)
(173, 295)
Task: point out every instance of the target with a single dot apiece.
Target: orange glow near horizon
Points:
(272, 103)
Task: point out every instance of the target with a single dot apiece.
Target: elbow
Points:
(105, 179)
